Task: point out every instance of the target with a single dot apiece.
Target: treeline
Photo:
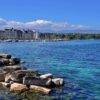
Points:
(68, 36)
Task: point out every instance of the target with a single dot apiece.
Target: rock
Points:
(4, 84)
(29, 80)
(46, 76)
(2, 87)
(2, 76)
(1, 63)
(4, 62)
(22, 62)
(10, 69)
(40, 89)
(15, 61)
(15, 87)
(7, 56)
(8, 78)
(17, 76)
(58, 81)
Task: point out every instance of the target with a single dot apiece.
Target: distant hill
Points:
(72, 31)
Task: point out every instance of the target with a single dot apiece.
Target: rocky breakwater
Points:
(18, 78)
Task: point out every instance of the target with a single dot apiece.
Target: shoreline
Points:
(46, 40)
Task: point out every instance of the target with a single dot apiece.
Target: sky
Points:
(57, 15)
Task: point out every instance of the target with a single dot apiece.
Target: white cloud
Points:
(40, 25)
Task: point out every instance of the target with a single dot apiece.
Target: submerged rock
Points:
(40, 89)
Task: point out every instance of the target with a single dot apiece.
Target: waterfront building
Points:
(16, 34)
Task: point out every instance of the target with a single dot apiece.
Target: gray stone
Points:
(15, 61)
(46, 76)
(2, 76)
(18, 75)
(10, 69)
(29, 80)
(4, 62)
(7, 56)
(58, 81)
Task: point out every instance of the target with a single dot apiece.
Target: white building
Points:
(18, 34)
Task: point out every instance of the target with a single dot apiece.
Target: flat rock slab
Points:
(17, 76)
(15, 87)
(10, 69)
(58, 81)
(7, 56)
(36, 81)
(46, 76)
(40, 89)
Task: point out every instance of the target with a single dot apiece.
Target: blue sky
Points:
(84, 13)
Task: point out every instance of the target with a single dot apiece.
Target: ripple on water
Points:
(77, 61)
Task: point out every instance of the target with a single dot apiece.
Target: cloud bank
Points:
(41, 25)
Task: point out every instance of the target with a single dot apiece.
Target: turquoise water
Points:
(77, 61)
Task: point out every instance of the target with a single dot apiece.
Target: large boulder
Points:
(7, 56)
(8, 78)
(14, 61)
(29, 80)
(16, 87)
(58, 81)
(40, 89)
(4, 62)
(1, 63)
(46, 76)
(17, 76)
(2, 76)
(10, 69)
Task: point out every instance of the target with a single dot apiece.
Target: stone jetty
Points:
(18, 78)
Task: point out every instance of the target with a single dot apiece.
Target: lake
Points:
(77, 61)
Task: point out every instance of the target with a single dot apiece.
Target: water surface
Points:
(77, 61)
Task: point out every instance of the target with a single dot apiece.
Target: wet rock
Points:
(18, 75)
(15, 87)
(7, 56)
(1, 63)
(29, 80)
(10, 69)
(4, 62)
(2, 76)
(46, 76)
(8, 78)
(58, 81)
(2, 87)
(15, 61)
(40, 89)
(4, 84)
